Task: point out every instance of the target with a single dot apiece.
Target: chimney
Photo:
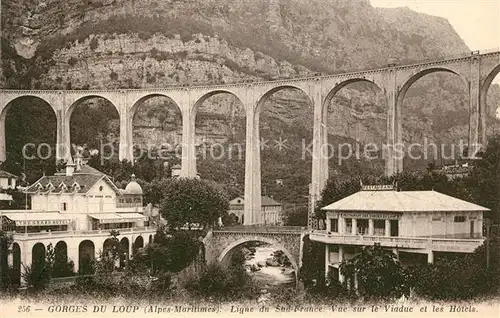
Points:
(78, 161)
(70, 168)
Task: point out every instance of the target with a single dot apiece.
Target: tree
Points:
(39, 273)
(189, 201)
(313, 262)
(167, 254)
(377, 272)
(6, 241)
(485, 179)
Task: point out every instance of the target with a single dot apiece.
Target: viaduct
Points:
(476, 70)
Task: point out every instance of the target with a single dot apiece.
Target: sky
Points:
(477, 22)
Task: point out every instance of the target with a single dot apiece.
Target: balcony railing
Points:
(24, 236)
(436, 244)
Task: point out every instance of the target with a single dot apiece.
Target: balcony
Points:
(61, 234)
(428, 243)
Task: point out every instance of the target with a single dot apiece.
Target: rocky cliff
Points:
(128, 43)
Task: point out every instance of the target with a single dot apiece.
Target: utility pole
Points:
(488, 226)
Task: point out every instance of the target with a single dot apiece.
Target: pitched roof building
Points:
(78, 207)
(410, 223)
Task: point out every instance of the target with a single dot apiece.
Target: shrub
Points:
(94, 43)
(72, 61)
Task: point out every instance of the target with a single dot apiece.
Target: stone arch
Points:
(107, 246)
(16, 263)
(265, 96)
(38, 254)
(224, 109)
(270, 241)
(485, 86)
(415, 77)
(75, 103)
(124, 252)
(69, 114)
(3, 116)
(176, 112)
(60, 260)
(339, 86)
(488, 80)
(399, 116)
(137, 104)
(206, 96)
(4, 108)
(139, 243)
(86, 256)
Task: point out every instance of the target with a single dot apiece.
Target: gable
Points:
(102, 187)
(237, 201)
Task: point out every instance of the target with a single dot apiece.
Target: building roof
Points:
(133, 187)
(80, 182)
(267, 201)
(402, 201)
(264, 201)
(85, 169)
(5, 174)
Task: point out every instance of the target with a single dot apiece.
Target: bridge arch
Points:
(4, 111)
(6, 104)
(138, 103)
(338, 86)
(270, 241)
(408, 82)
(267, 94)
(204, 97)
(75, 103)
(16, 263)
(485, 86)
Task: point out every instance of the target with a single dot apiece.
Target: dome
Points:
(133, 187)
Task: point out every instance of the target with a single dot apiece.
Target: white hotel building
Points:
(74, 211)
(415, 225)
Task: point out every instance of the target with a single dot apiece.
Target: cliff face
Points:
(129, 43)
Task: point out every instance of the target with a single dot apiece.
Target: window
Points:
(459, 218)
(334, 225)
(100, 188)
(9, 182)
(64, 206)
(348, 225)
(436, 218)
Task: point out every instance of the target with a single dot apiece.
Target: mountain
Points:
(129, 44)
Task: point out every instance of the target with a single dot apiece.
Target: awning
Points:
(38, 218)
(132, 217)
(107, 218)
(118, 217)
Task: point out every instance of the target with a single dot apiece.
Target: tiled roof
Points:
(267, 201)
(5, 174)
(402, 201)
(85, 169)
(264, 201)
(61, 183)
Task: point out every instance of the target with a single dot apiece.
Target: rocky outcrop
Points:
(128, 43)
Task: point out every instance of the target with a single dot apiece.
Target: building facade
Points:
(7, 182)
(74, 211)
(271, 210)
(415, 225)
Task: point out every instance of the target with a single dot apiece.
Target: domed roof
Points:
(133, 187)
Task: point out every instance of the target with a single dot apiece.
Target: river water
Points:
(269, 276)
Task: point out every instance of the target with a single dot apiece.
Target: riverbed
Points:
(269, 276)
